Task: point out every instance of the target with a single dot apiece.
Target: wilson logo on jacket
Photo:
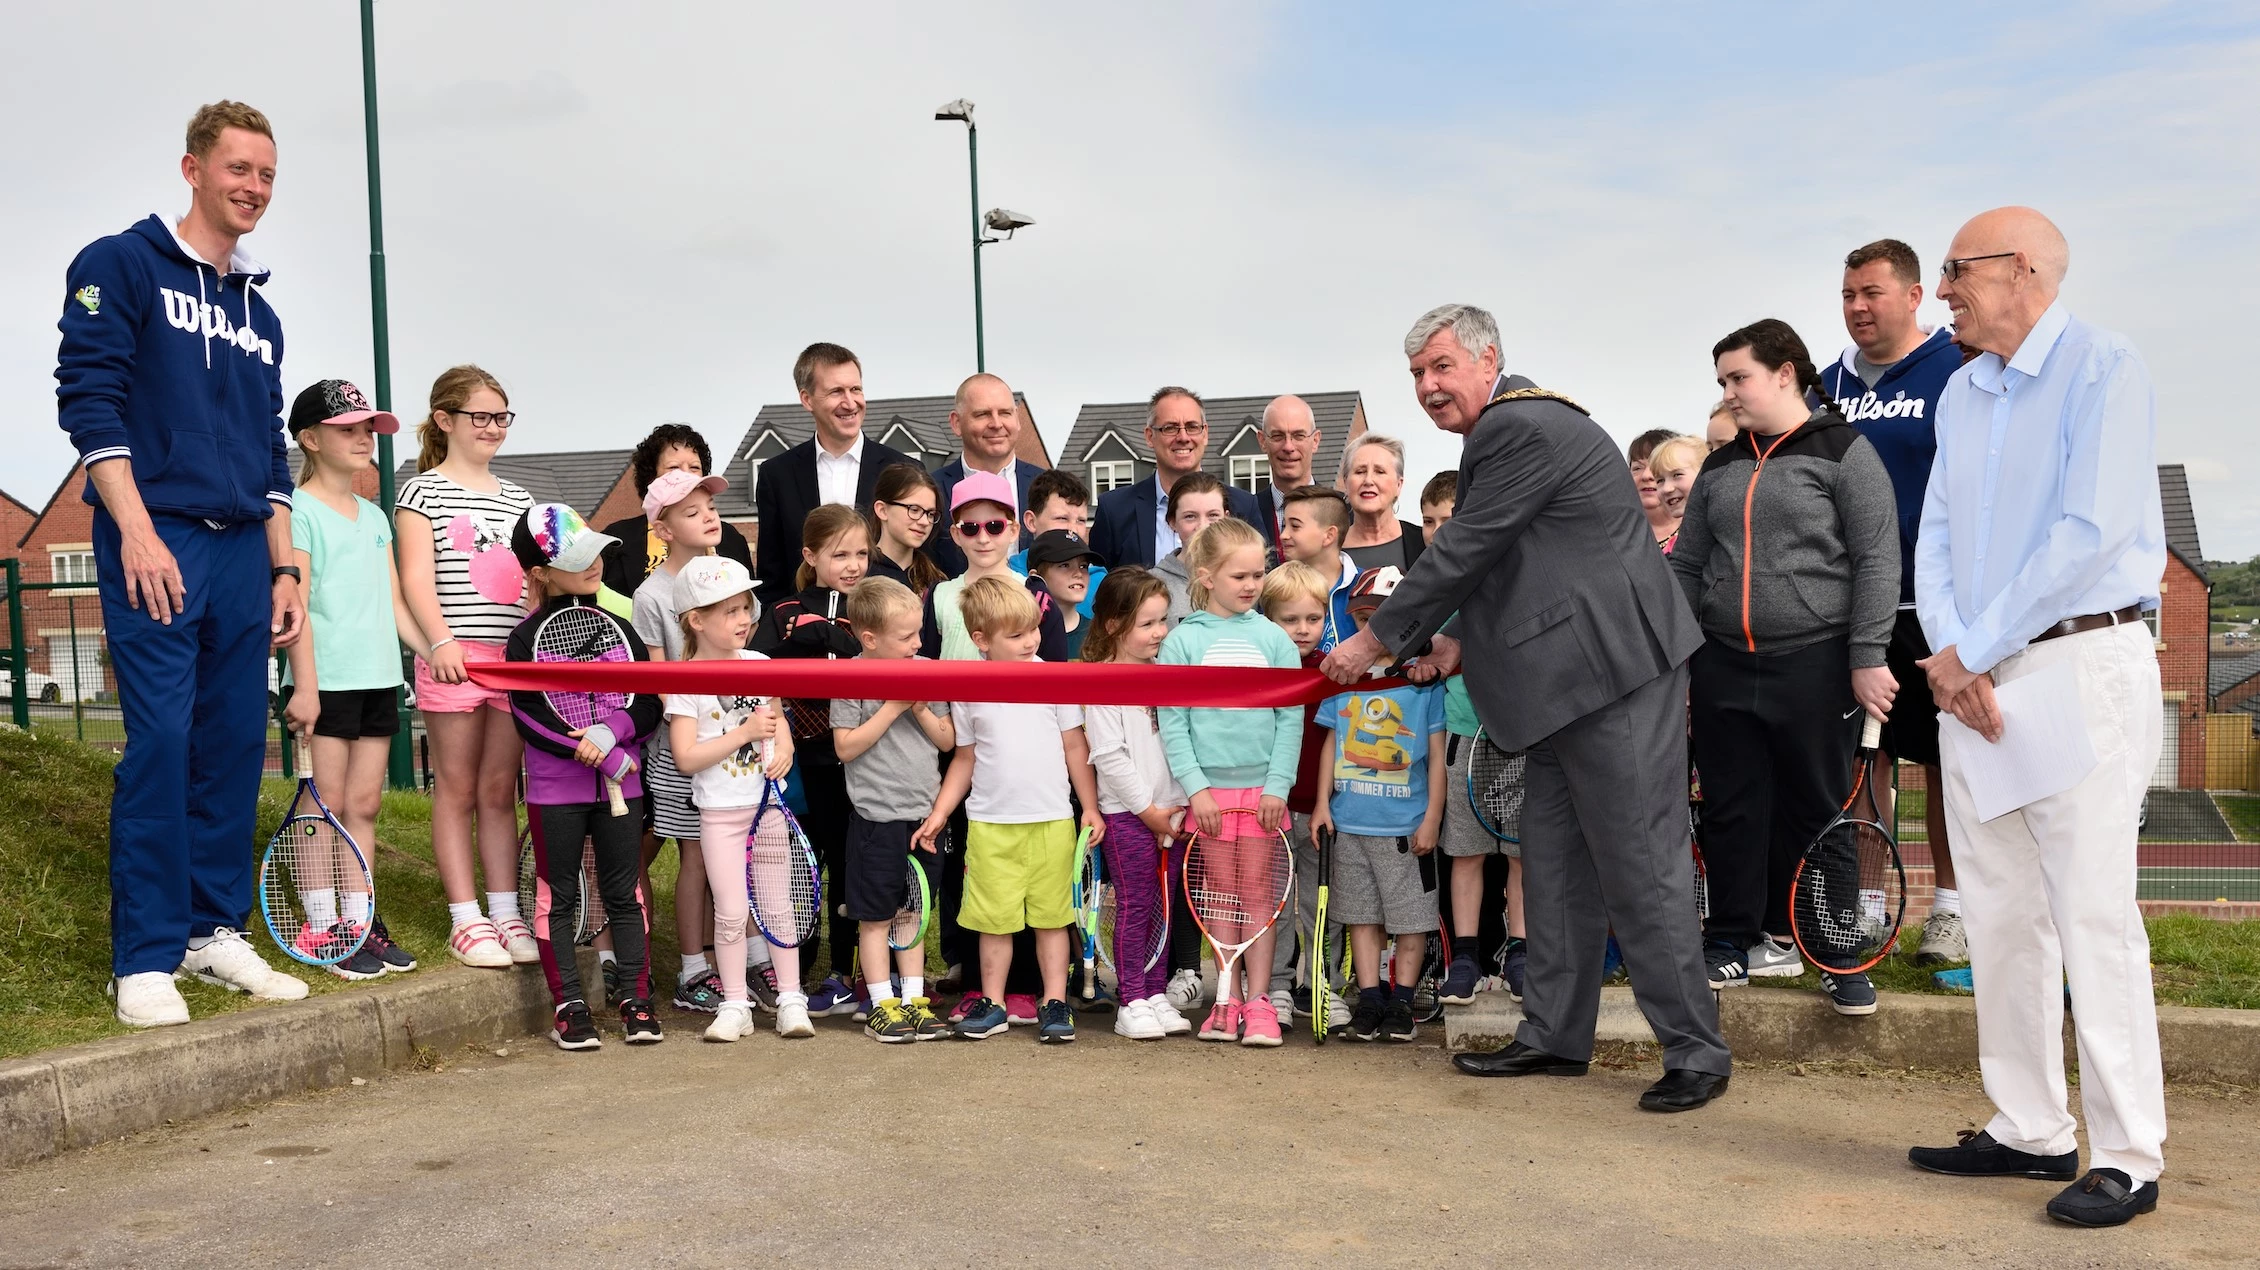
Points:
(1868, 406)
(195, 316)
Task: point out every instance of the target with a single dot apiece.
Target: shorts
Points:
(1463, 835)
(1379, 882)
(353, 713)
(1018, 876)
(1911, 733)
(434, 697)
(674, 813)
(878, 868)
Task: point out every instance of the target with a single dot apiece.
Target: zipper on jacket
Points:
(1749, 496)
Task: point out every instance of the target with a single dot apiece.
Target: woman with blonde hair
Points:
(1373, 475)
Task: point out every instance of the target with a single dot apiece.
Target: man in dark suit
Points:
(986, 421)
(1576, 643)
(1290, 440)
(1131, 525)
(837, 465)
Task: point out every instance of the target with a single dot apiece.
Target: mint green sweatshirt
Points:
(1231, 748)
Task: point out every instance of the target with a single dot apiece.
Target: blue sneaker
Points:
(1517, 959)
(1612, 962)
(1955, 980)
(1851, 994)
(1055, 1023)
(1459, 982)
(982, 1017)
(833, 996)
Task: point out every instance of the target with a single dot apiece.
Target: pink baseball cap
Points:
(977, 486)
(671, 487)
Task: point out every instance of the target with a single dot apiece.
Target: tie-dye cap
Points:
(554, 535)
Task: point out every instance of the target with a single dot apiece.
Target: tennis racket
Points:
(1319, 971)
(578, 633)
(593, 917)
(782, 873)
(1236, 885)
(1138, 949)
(908, 929)
(1428, 990)
(589, 919)
(1850, 891)
(1494, 788)
(1086, 886)
(310, 865)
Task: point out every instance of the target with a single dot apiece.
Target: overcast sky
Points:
(639, 213)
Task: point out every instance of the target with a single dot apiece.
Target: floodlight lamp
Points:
(960, 109)
(1007, 221)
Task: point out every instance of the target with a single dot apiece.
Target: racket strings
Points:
(1849, 895)
(783, 888)
(909, 922)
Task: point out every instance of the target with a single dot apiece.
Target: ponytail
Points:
(1774, 344)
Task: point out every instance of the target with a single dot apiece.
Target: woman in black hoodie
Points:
(1789, 553)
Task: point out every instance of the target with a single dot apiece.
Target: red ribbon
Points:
(1079, 683)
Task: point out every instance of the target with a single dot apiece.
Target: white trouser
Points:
(2048, 893)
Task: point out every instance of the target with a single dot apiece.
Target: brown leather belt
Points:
(2092, 622)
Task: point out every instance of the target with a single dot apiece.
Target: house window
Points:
(2150, 619)
(73, 567)
(1252, 472)
(1112, 474)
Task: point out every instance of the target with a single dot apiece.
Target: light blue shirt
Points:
(2043, 500)
(1165, 538)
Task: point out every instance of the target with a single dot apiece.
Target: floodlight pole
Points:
(400, 759)
(973, 158)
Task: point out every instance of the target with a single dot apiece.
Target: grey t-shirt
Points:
(897, 778)
(1868, 371)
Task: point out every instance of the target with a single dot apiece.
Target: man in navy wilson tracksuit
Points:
(169, 383)
(1887, 384)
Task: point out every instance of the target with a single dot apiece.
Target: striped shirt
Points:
(472, 563)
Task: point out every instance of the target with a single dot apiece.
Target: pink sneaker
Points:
(1223, 1022)
(1019, 1009)
(1259, 1022)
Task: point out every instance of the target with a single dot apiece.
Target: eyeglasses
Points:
(1175, 430)
(1953, 270)
(1283, 438)
(487, 418)
(976, 528)
(918, 515)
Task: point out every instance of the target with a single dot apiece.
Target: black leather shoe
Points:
(2105, 1197)
(1517, 1059)
(1682, 1090)
(1976, 1154)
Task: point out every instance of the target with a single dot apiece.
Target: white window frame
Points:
(72, 566)
(1251, 472)
(1112, 474)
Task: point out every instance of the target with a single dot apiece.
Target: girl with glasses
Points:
(905, 503)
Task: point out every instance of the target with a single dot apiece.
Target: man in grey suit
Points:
(1576, 646)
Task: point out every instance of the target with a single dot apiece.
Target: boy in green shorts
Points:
(1013, 769)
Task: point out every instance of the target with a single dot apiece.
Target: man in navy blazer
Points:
(987, 422)
(837, 465)
(1131, 526)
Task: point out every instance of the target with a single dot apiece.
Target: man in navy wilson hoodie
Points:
(1887, 384)
(169, 383)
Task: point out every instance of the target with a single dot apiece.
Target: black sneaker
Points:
(395, 958)
(1851, 994)
(612, 994)
(1515, 962)
(1729, 966)
(1976, 1154)
(702, 994)
(1055, 1023)
(637, 1020)
(1397, 1021)
(1366, 1019)
(761, 986)
(362, 964)
(574, 1029)
(1459, 981)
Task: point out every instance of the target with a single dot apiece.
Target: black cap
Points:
(1058, 546)
(336, 401)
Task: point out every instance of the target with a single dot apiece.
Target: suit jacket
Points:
(941, 548)
(1122, 527)
(784, 492)
(1564, 604)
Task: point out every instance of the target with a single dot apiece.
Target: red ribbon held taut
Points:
(1075, 683)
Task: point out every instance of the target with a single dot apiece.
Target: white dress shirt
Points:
(1165, 538)
(836, 475)
(2043, 502)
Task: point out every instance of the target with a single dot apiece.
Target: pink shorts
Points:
(434, 697)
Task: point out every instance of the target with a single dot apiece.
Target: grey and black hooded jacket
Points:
(1792, 539)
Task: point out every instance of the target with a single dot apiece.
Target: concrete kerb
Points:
(83, 1094)
(1938, 1033)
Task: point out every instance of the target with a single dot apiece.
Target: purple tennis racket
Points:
(578, 633)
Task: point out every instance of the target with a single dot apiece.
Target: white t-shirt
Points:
(1020, 770)
(654, 617)
(476, 576)
(1126, 749)
(735, 781)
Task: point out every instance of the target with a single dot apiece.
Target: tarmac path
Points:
(839, 1151)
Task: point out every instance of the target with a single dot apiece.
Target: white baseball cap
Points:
(711, 580)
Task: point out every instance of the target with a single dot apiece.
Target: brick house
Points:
(1107, 447)
(917, 426)
(2183, 629)
(63, 628)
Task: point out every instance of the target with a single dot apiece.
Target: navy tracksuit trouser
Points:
(194, 697)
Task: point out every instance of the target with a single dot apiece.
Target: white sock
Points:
(881, 992)
(462, 915)
(606, 956)
(913, 986)
(1946, 900)
(321, 908)
(356, 906)
(793, 998)
(694, 965)
(502, 905)
(756, 952)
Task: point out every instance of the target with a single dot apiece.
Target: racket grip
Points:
(612, 791)
(1871, 732)
(1090, 978)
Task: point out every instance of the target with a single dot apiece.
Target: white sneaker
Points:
(1136, 1020)
(733, 1020)
(149, 999)
(1337, 1010)
(1283, 1003)
(517, 939)
(477, 944)
(1771, 959)
(792, 1019)
(1166, 1016)
(1184, 990)
(229, 962)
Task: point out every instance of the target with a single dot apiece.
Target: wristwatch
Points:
(285, 571)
